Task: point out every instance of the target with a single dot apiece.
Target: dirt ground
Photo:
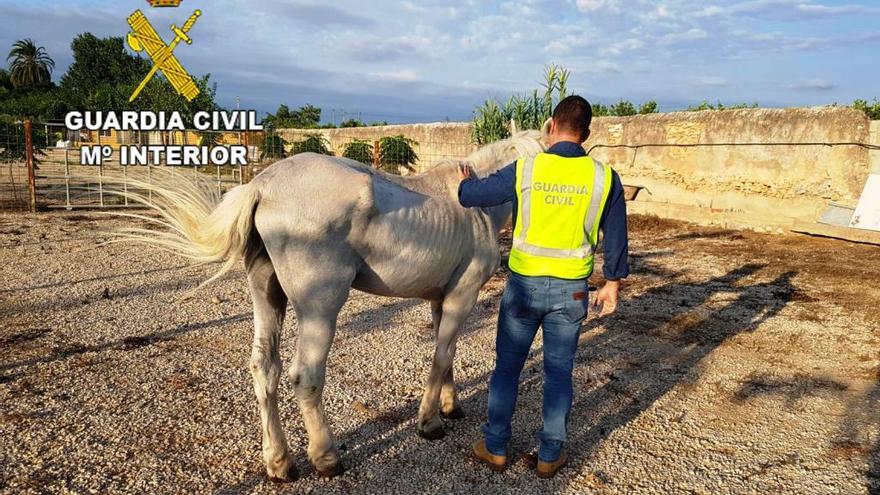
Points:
(737, 363)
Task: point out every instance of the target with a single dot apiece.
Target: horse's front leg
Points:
(455, 308)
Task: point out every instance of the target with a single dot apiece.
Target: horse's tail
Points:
(194, 221)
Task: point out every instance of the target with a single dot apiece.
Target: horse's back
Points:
(315, 198)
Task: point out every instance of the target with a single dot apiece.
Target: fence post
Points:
(67, 174)
(32, 177)
(376, 153)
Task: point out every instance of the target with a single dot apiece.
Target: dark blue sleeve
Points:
(498, 188)
(616, 241)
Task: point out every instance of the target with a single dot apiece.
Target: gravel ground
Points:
(738, 363)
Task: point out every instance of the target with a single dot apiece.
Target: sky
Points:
(422, 61)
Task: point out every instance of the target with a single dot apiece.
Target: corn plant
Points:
(489, 124)
(491, 119)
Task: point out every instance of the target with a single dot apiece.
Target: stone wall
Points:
(769, 184)
(735, 177)
(875, 140)
(436, 141)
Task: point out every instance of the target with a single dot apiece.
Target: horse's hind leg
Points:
(455, 307)
(449, 406)
(318, 294)
(269, 307)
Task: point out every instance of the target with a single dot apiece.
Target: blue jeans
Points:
(558, 306)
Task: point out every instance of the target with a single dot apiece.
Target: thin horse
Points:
(309, 228)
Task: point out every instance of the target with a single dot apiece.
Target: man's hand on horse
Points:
(606, 298)
(465, 171)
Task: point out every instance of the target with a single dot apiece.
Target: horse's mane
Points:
(492, 156)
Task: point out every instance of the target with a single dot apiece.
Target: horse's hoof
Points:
(455, 413)
(435, 434)
(332, 471)
(290, 476)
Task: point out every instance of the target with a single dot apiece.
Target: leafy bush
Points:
(624, 108)
(359, 150)
(272, 147)
(313, 143)
(648, 107)
(395, 152)
(353, 123)
(871, 109)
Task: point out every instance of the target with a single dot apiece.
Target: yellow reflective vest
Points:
(560, 201)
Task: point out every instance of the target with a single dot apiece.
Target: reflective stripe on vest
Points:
(588, 246)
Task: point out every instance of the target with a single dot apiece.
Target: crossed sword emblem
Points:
(144, 37)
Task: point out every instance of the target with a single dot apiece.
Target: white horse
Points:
(309, 228)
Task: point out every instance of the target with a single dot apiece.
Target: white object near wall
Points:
(867, 214)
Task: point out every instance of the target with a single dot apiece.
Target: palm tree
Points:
(29, 65)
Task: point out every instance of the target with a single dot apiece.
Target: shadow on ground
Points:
(628, 378)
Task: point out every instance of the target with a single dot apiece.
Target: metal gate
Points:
(61, 181)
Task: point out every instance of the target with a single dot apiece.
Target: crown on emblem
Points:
(164, 3)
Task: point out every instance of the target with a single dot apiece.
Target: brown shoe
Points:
(543, 469)
(496, 462)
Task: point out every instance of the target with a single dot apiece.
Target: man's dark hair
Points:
(574, 114)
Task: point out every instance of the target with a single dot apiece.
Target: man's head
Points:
(571, 120)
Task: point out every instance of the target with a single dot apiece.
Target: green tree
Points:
(396, 152)
(29, 64)
(5, 82)
(359, 150)
(103, 74)
(307, 117)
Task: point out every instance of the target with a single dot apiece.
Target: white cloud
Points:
(711, 81)
(692, 34)
(814, 85)
(597, 5)
(622, 46)
(397, 76)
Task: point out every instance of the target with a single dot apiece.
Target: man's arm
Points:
(496, 189)
(615, 247)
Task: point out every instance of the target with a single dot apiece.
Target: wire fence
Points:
(14, 183)
(60, 179)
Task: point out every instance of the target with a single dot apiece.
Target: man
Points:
(562, 198)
